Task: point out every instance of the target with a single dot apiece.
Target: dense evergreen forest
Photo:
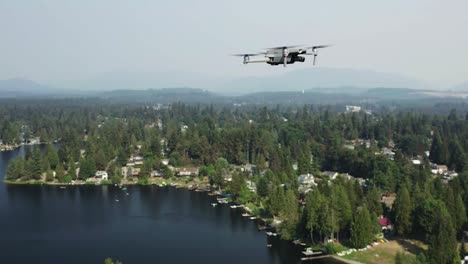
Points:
(281, 143)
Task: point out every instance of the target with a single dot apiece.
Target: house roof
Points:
(384, 221)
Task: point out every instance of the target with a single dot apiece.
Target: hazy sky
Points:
(62, 41)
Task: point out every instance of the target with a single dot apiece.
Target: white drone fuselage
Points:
(282, 55)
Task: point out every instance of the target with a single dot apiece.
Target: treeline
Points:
(103, 136)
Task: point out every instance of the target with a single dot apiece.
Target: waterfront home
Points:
(251, 186)
(385, 223)
(126, 171)
(101, 175)
(348, 177)
(155, 173)
(135, 172)
(331, 174)
(186, 171)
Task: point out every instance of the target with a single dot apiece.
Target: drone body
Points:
(283, 55)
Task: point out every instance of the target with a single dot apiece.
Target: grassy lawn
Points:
(385, 253)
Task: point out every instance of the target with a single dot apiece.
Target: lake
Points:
(86, 224)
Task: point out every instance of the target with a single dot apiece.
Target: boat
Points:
(299, 242)
(269, 233)
(124, 188)
(245, 215)
(117, 200)
(253, 218)
(63, 187)
(274, 234)
(214, 204)
(268, 245)
(128, 194)
(234, 206)
(310, 252)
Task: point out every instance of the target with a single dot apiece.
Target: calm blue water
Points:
(85, 224)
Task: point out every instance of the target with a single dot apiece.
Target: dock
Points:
(315, 257)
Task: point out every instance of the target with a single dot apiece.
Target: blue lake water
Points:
(85, 224)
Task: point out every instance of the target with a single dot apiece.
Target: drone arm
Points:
(255, 60)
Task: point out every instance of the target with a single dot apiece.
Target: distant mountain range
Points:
(294, 86)
(22, 87)
(321, 79)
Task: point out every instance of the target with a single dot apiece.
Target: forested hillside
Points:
(374, 154)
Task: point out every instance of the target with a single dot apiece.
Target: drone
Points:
(283, 55)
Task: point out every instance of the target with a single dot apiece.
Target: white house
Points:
(331, 174)
(251, 186)
(101, 175)
(306, 179)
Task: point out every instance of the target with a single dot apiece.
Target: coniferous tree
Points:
(403, 209)
(438, 152)
(59, 173)
(442, 241)
(10, 172)
(361, 228)
(52, 156)
(36, 163)
(459, 213)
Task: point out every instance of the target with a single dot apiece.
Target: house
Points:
(361, 181)
(388, 199)
(249, 168)
(348, 177)
(126, 171)
(416, 162)
(441, 169)
(186, 171)
(135, 172)
(227, 177)
(155, 173)
(450, 175)
(136, 159)
(165, 162)
(251, 186)
(295, 166)
(304, 189)
(352, 108)
(306, 179)
(385, 223)
(101, 175)
(349, 146)
(331, 174)
(388, 152)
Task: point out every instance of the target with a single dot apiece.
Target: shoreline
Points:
(186, 183)
(343, 260)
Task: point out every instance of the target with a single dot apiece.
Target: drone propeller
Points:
(247, 54)
(315, 50)
(284, 47)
